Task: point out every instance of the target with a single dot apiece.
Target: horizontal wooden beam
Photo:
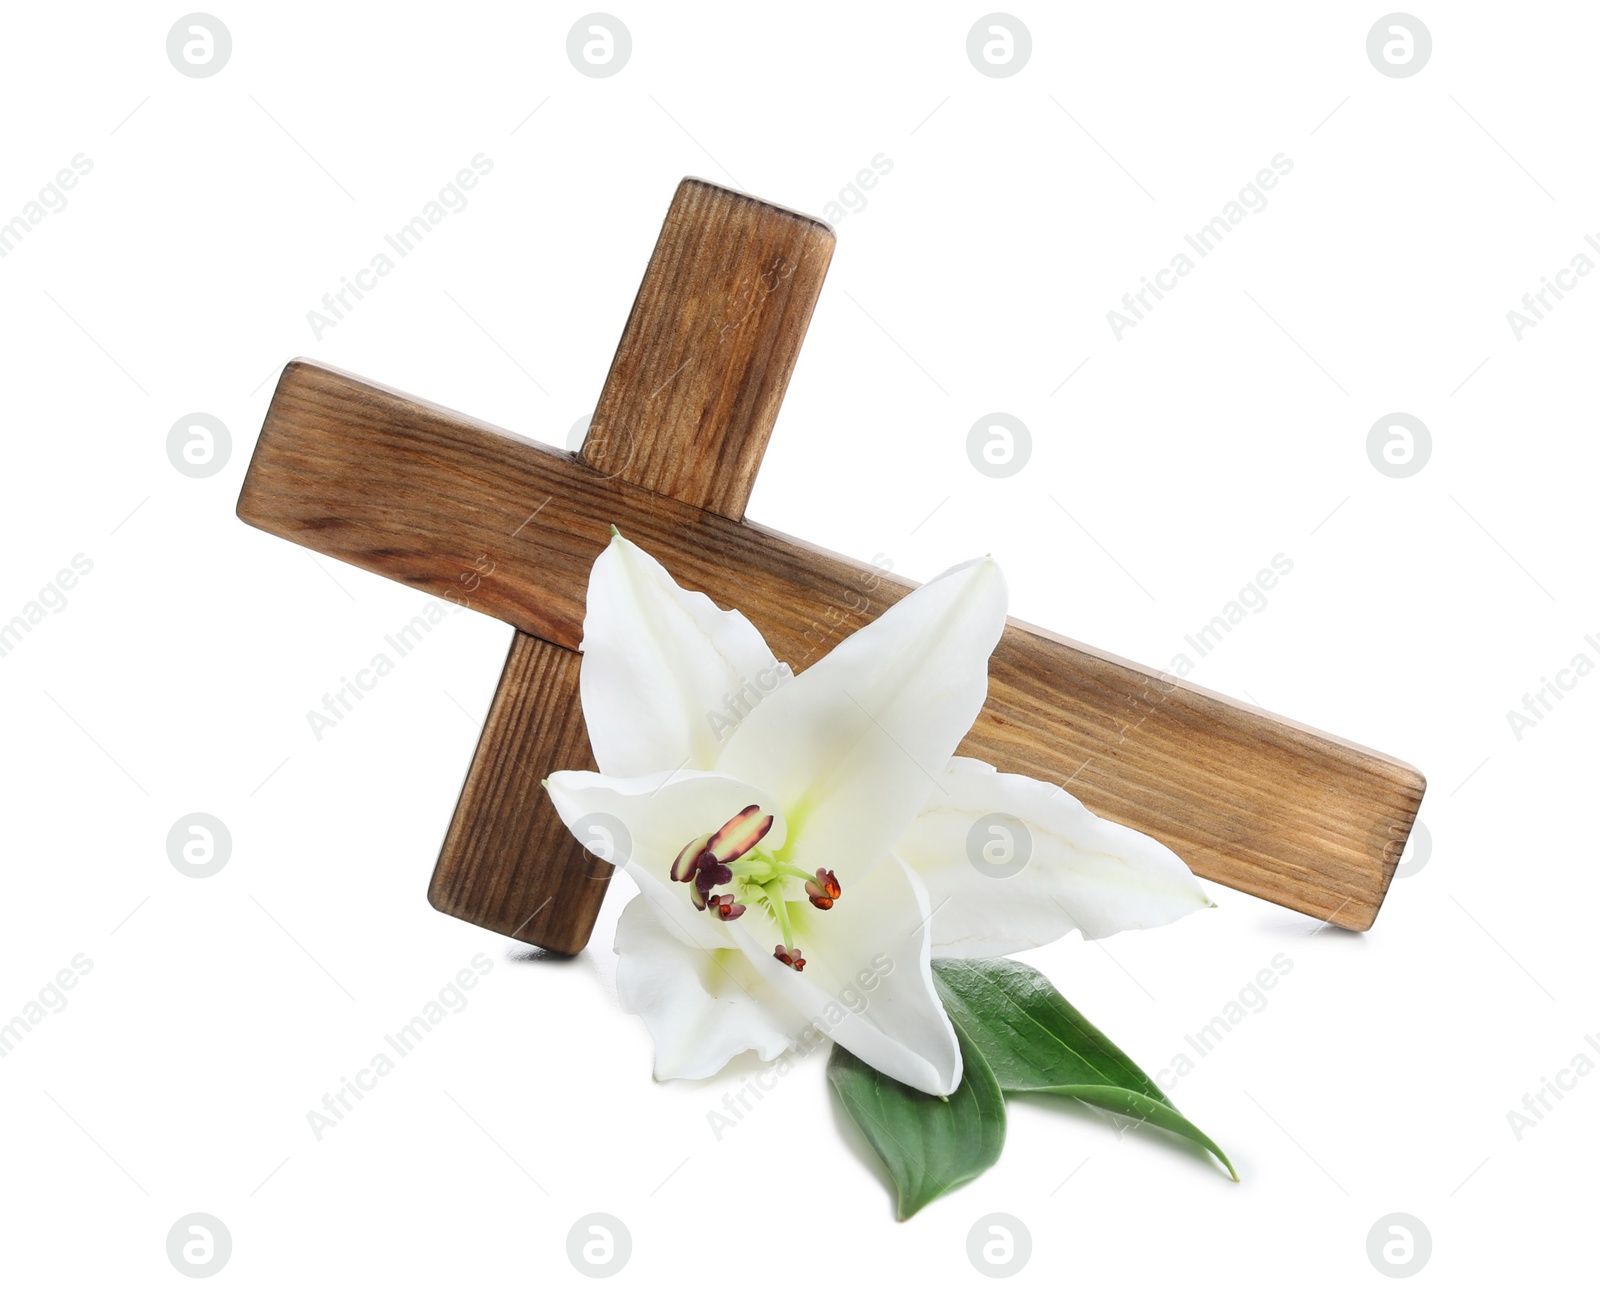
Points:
(441, 501)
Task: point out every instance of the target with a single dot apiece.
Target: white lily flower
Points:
(802, 843)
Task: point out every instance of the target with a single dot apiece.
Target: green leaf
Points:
(1034, 1041)
(930, 1145)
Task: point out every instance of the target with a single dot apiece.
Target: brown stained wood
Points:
(508, 862)
(686, 410)
(416, 493)
(709, 346)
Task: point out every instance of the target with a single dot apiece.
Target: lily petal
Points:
(644, 822)
(1081, 871)
(660, 664)
(853, 745)
(702, 1007)
(868, 982)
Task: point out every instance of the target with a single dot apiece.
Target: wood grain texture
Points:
(709, 346)
(507, 862)
(687, 409)
(358, 472)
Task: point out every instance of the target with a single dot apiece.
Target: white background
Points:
(1226, 427)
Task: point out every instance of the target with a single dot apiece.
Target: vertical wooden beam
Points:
(686, 410)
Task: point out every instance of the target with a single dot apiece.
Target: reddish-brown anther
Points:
(823, 891)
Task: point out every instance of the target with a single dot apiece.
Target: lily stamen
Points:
(823, 890)
(703, 863)
(786, 952)
(731, 853)
(740, 834)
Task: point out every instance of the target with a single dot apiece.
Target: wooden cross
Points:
(509, 527)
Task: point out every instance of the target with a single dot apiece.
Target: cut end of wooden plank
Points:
(690, 185)
(559, 934)
(1413, 785)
